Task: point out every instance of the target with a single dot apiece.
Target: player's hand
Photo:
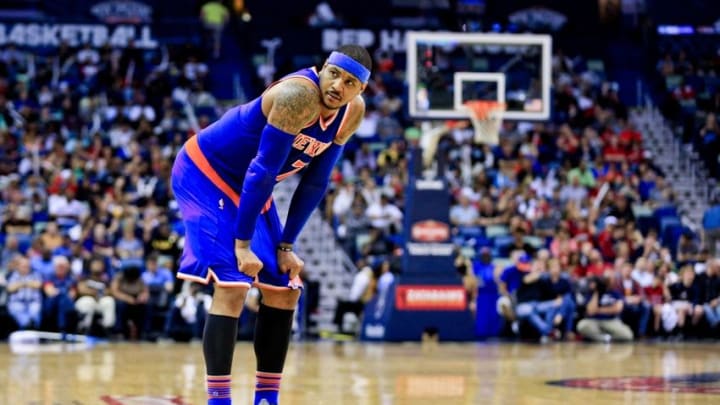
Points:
(248, 263)
(289, 262)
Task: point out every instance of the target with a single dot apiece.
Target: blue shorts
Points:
(209, 217)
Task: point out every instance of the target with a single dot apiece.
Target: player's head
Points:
(344, 75)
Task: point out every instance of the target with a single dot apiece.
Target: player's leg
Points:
(275, 317)
(219, 339)
(209, 255)
(272, 339)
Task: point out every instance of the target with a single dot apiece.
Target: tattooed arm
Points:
(316, 177)
(290, 106)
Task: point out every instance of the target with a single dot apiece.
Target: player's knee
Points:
(228, 300)
(286, 299)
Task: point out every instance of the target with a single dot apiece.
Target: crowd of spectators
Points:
(570, 220)
(89, 233)
(689, 81)
(577, 221)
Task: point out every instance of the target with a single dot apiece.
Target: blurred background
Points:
(613, 193)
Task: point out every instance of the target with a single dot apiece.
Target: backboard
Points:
(446, 69)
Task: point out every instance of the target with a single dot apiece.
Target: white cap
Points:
(610, 220)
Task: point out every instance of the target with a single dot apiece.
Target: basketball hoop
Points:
(486, 117)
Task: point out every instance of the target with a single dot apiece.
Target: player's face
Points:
(338, 87)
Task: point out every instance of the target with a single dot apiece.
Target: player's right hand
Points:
(248, 262)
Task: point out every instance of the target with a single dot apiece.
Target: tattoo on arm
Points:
(294, 106)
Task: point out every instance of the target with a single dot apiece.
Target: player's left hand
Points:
(290, 262)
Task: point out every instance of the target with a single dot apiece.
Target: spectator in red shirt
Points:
(605, 240)
(630, 136)
(657, 295)
(613, 151)
(636, 307)
(596, 266)
(562, 245)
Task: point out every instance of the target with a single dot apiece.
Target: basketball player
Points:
(223, 180)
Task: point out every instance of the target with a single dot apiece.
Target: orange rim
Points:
(481, 108)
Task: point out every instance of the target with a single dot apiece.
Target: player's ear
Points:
(363, 87)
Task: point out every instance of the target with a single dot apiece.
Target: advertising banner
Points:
(32, 34)
(430, 298)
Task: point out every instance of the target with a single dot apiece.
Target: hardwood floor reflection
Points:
(372, 374)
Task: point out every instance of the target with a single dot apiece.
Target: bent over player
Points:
(223, 180)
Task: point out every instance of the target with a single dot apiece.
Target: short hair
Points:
(358, 53)
(60, 261)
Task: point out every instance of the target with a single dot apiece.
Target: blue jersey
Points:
(211, 168)
(231, 143)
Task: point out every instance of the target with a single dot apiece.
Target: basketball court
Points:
(373, 374)
(484, 78)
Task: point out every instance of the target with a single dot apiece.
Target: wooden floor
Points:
(371, 374)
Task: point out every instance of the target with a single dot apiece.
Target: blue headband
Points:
(352, 66)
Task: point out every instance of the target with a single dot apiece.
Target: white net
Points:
(486, 117)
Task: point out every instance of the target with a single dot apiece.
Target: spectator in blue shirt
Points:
(43, 265)
(508, 283)
(60, 292)
(24, 296)
(711, 227)
(157, 278)
(602, 314)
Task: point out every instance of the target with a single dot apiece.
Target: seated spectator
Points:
(710, 287)
(43, 263)
(94, 298)
(489, 213)
(60, 292)
(562, 246)
(24, 294)
(159, 280)
(9, 251)
(536, 302)
(377, 246)
(547, 222)
(360, 293)
(687, 249)
(163, 241)
(520, 244)
(583, 173)
(129, 246)
(160, 284)
(131, 297)
(711, 227)
(642, 273)
(17, 221)
(187, 315)
(508, 281)
(658, 296)
(602, 314)
(51, 237)
(596, 266)
(351, 226)
(573, 192)
(344, 199)
(384, 215)
(561, 287)
(636, 308)
(365, 158)
(99, 242)
(684, 296)
(65, 207)
(463, 213)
